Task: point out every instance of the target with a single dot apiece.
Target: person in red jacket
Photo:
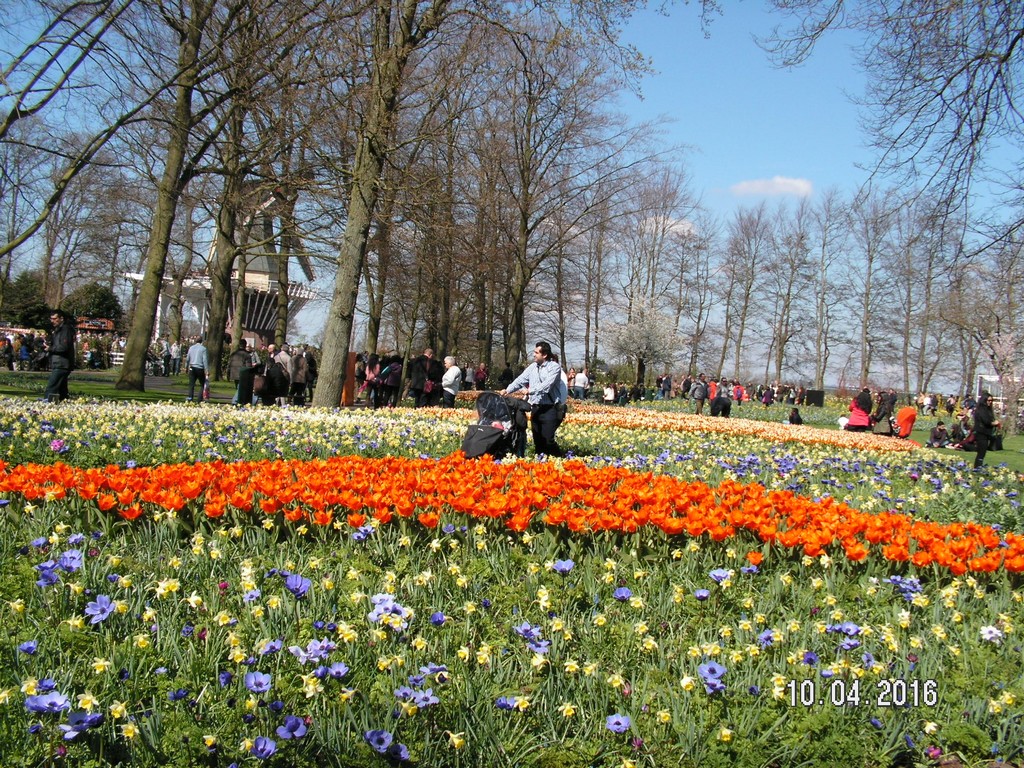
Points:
(860, 412)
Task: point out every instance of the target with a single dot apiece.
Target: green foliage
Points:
(24, 303)
(96, 301)
(967, 739)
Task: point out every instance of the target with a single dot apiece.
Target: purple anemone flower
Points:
(379, 740)
(618, 723)
(293, 728)
(263, 748)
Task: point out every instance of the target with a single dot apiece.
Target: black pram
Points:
(500, 428)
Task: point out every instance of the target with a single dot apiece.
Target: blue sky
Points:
(757, 132)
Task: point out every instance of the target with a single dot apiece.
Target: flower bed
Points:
(355, 491)
(613, 611)
(920, 482)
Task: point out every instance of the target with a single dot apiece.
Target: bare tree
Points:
(986, 300)
(696, 299)
(868, 295)
(750, 245)
(786, 279)
(397, 29)
(829, 236)
(944, 88)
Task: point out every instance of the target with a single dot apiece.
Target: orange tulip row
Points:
(350, 490)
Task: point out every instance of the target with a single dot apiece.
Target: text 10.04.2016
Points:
(839, 692)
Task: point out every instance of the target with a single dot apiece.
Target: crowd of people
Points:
(975, 428)
(287, 375)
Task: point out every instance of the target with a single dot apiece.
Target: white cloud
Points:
(777, 185)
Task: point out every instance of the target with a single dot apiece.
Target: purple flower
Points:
(79, 722)
(437, 618)
(713, 685)
(337, 670)
(424, 699)
(47, 703)
(178, 694)
(297, 584)
(527, 631)
(47, 574)
(263, 748)
(711, 671)
(563, 566)
(100, 609)
(876, 723)
(272, 646)
(618, 723)
(70, 561)
(720, 574)
(225, 678)
(58, 446)
(258, 682)
(702, 594)
(766, 638)
(29, 647)
(810, 658)
(539, 646)
(363, 533)
(622, 594)
(398, 752)
(379, 740)
(507, 703)
(293, 728)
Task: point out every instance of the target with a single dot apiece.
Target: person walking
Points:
(543, 382)
(62, 357)
(985, 426)
(198, 366)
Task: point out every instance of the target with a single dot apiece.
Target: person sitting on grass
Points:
(939, 437)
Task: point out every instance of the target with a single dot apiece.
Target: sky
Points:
(757, 132)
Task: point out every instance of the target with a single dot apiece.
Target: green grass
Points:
(99, 385)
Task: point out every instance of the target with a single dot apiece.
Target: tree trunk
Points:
(221, 266)
(392, 46)
(133, 371)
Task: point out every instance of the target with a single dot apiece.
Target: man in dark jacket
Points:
(62, 357)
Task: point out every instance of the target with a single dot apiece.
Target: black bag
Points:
(561, 409)
(484, 439)
(259, 384)
(995, 443)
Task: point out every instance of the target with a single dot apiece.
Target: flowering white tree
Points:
(646, 338)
